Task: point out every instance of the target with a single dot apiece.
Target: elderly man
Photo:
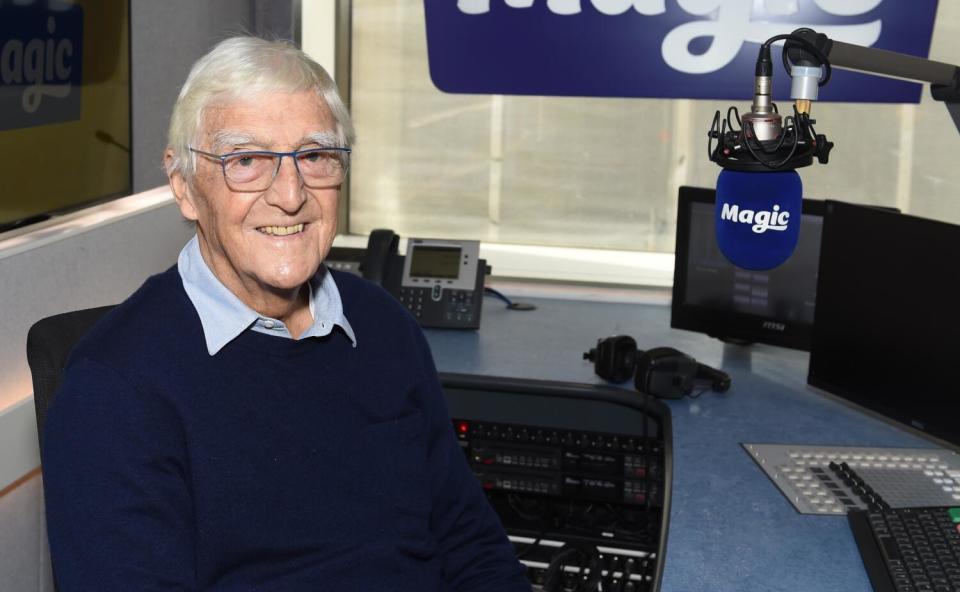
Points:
(250, 420)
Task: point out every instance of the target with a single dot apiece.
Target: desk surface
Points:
(730, 528)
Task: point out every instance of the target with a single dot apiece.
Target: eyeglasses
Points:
(254, 170)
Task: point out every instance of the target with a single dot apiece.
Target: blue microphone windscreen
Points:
(758, 217)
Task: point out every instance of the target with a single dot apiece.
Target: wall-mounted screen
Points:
(64, 106)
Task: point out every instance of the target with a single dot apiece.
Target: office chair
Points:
(49, 343)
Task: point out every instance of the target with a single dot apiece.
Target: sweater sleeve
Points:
(476, 554)
(119, 512)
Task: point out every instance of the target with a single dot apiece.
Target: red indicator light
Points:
(463, 427)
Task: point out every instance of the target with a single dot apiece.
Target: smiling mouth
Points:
(281, 230)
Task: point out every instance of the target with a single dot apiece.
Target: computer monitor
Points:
(64, 106)
(887, 325)
(713, 296)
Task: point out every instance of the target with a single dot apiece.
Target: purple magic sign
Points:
(702, 49)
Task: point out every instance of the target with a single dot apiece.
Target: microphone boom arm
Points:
(764, 140)
(944, 79)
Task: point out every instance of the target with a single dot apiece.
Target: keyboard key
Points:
(920, 547)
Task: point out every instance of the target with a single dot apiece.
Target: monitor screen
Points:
(713, 296)
(435, 262)
(64, 106)
(887, 330)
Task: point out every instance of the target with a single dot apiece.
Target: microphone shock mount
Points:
(763, 140)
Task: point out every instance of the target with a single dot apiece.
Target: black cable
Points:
(714, 129)
(584, 558)
(488, 291)
(825, 66)
(809, 127)
(515, 502)
(783, 136)
(736, 113)
(768, 164)
(553, 578)
(593, 581)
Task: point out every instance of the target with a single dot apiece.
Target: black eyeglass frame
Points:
(293, 155)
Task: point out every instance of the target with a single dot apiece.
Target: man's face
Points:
(243, 236)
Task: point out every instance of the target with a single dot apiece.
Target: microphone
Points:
(759, 193)
(758, 217)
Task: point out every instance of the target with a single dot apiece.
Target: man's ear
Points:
(180, 188)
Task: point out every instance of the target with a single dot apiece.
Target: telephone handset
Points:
(440, 281)
(381, 250)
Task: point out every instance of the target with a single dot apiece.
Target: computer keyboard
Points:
(909, 549)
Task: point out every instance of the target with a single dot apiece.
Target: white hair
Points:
(242, 67)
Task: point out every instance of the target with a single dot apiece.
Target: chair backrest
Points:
(49, 343)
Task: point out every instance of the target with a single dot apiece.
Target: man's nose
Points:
(286, 192)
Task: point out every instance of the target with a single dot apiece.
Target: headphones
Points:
(663, 372)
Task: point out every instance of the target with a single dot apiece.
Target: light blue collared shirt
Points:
(224, 316)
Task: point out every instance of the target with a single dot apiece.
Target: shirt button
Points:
(268, 324)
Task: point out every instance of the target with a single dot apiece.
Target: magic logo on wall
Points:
(40, 64)
(703, 49)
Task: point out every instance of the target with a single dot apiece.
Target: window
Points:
(594, 173)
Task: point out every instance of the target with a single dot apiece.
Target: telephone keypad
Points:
(455, 306)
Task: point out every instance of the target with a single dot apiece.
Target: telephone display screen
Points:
(435, 262)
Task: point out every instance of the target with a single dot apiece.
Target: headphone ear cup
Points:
(614, 358)
(719, 380)
(665, 372)
(645, 361)
(640, 378)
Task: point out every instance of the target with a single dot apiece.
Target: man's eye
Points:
(312, 156)
(244, 161)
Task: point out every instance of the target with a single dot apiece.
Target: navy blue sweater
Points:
(275, 465)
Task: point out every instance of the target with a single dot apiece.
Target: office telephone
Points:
(440, 281)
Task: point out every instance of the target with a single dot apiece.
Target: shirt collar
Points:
(224, 316)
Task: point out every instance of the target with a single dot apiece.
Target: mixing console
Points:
(583, 509)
